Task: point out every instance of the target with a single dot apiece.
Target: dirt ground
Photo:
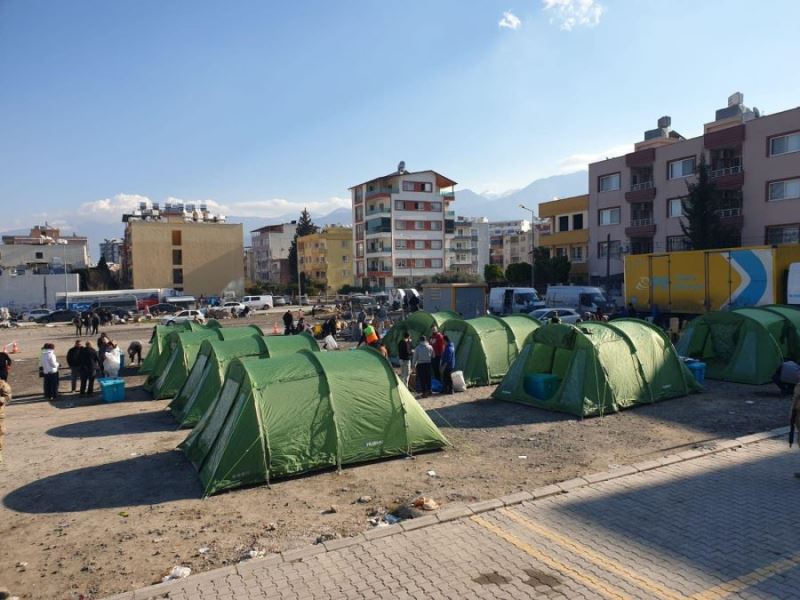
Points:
(96, 500)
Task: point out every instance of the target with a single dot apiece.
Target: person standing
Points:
(86, 320)
(76, 321)
(102, 346)
(72, 363)
(49, 365)
(437, 342)
(448, 365)
(95, 323)
(288, 321)
(404, 352)
(135, 351)
(421, 361)
(5, 398)
(89, 363)
(5, 365)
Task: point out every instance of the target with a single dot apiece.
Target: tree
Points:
(454, 277)
(305, 226)
(550, 269)
(701, 222)
(519, 273)
(493, 273)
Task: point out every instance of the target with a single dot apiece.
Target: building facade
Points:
(44, 250)
(182, 247)
(111, 250)
(502, 232)
(400, 222)
(754, 161)
(567, 233)
(468, 246)
(270, 246)
(326, 257)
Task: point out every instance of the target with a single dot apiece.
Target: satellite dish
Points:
(401, 167)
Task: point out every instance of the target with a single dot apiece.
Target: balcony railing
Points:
(733, 211)
(381, 191)
(641, 222)
(448, 195)
(732, 170)
(643, 185)
(379, 211)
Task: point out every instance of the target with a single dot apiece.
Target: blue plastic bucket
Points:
(698, 370)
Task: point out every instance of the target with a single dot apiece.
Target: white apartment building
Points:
(468, 246)
(503, 233)
(269, 247)
(400, 222)
(44, 250)
(111, 250)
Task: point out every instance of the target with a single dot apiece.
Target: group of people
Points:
(433, 357)
(290, 327)
(87, 323)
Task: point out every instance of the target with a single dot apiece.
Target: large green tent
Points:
(486, 346)
(783, 324)
(208, 373)
(184, 352)
(306, 411)
(735, 346)
(159, 337)
(417, 323)
(596, 368)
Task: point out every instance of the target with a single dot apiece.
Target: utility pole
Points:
(533, 221)
(608, 260)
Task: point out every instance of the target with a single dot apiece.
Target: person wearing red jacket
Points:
(437, 342)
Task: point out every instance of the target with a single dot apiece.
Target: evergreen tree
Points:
(701, 222)
(519, 273)
(305, 226)
(493, 273)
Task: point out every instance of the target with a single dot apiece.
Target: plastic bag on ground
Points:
(459, 385)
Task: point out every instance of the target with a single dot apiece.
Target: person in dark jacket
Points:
(89, 364)
(5, 365)
(87, 323)
(95, 323)
(448, 364)
(288, 321)
(135, 352)
(74, 365)
(405, 350)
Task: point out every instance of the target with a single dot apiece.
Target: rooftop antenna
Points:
(401, 167)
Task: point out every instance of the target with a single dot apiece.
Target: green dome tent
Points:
(213, 358)
(158, 339)
(303, 412)
(175, 369)
(736, 346)
(601, 368)
(783, 324)
(417, 323)
(486, 346)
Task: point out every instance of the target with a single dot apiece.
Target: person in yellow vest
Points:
(369, 335)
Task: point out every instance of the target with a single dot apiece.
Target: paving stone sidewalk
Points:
(703, 524)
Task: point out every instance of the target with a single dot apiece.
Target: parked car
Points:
(567, 315)
(163, 308)
(279, 301)
(236, 306)
(184, 315)
(34, 314)
(262, 302)
(58, 316)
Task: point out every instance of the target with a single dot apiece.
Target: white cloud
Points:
(569, 14)
(580, 162)
(509, 21)
(278, 207)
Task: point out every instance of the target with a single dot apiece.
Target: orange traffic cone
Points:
(275, 329)
(14, 347)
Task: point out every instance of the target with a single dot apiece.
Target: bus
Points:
(134, 300)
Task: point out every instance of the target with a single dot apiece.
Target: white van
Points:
(582, 298)
(258, 302)
(507, 301)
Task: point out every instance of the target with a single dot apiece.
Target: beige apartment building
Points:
(183, 247)
(326, 257)
(567, 233)
(468, 246)
(635, 200)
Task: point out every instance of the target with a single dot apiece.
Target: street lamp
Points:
(533, 220)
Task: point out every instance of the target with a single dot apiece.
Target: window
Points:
(783, 234)
(561, 251)
(359, 213)
(577, 221)
(576, 254)
(675, 207)
(400, 244)
(609, 216)
(417, 186)
(176, 237)
(784, 144)
(676, 243)
(603, 248)
(419, 245)
(177, 257)
(680, 168)
(563, 223)
(419, 224)
(419, 263)
(436, 244)
(177, 275)
(436, 206)
(608, 183)
(436, 263)
(436, 225)
(40, 255)
(788, 189)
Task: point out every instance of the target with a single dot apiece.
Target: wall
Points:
(13, 255)
(23, 292)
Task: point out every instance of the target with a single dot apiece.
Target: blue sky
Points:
(264, 107)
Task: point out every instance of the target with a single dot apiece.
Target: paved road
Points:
(721, 526)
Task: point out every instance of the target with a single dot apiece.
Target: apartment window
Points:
(419, 263)
(608, 183)
(783, 234)
(400, 244)
(577, 221)
(563, 223)
(177, 276)
(675, 207)
(604, 247)
(177, 257)
(436, 263)
(419, 245)
(784, 144)
(788, 189)
(609, 216)
(40, 255)
(359, 213)
(436, 225)
(417, 186)
(576, 254)
(561, 252)
(680, 168)
(419, 224)
(676, 243)
(176, 237)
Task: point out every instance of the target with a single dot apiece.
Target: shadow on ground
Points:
(145, 422)
(487, 413)
(143, 480)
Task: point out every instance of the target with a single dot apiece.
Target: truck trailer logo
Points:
(751, 277)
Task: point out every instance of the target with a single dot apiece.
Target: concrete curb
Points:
(455, 512)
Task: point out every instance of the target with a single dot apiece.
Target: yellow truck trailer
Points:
(697, 281)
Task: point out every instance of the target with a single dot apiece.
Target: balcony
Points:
(448, 196)
(730, 136)
(727, 177)
(379, 249)
(381, 191)
(376, 210)
(642, 227)
(642, 158)
(640, 192)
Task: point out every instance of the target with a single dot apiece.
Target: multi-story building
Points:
(468, 246)
(111, 250)
(518, 247)
(399, 225)
(184, 247)
(499, 232)
(249, 264)
(754, 161)
(326, 257)
(567, 232)
(271, 246)
(44, 250)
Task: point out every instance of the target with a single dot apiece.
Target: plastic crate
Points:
(112, 389)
